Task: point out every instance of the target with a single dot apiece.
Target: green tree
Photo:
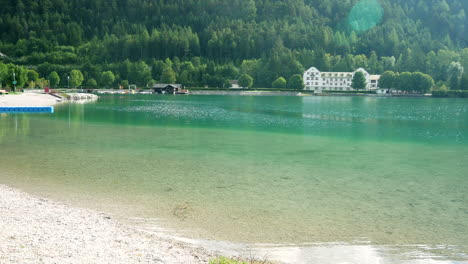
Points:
(455, 73)
(227, 83)
(107, 78)
(464, 83)
(31, 84)
(359, 81)
(246, 81)
(76, 78)
(279, 83)
(32, 75)
(454, 82)
(404, 82)
(421, 82)
(54, 79)
(15, 73)
(91, 83)
(296, 82)
(3, 73)
(125, 84)
(140, 73)
(374, 66)
(168, 75)
(42, 83)
(388, 80)
(151, 83)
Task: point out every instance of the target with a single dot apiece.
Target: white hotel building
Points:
(336, 81)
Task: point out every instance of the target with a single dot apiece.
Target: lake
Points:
(302, 178)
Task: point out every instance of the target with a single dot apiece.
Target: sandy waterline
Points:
(28, 99)
(37, 230)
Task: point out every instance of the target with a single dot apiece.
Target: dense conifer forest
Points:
(209, 42)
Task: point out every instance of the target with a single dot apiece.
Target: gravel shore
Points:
(28, 99)
(37, 230)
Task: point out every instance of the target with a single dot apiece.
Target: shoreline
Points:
(300, 93)
(31, 99)
(38, 99)
(42, 230)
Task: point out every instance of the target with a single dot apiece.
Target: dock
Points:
(26, 109)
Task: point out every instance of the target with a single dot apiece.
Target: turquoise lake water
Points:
(390, 172)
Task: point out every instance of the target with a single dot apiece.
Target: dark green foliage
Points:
(454, 82)
(54, 79)
(421, 82)
(460, 93)
(10, 73)
(279, 83)
(32, 75)
(139, 73)
(91, 83)
(296, 82)
(226, 83)
(3, 74)
(208, 42)
(359, 81)
(246, 81)
(464, 83)
(125, 84)
(107, 78)
(408, 82)
(168, 76)
(404, 82)
(388, 80)
(76, 78)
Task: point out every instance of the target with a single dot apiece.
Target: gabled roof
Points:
(164, 85)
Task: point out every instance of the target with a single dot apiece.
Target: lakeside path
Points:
(37, 230)
(28, 99)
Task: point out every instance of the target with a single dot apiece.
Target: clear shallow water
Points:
(385, 175)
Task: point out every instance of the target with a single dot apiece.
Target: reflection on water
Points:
(275, 170)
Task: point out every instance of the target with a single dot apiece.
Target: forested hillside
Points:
(207, 42)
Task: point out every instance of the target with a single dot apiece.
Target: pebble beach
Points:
(38, 230)
(28, 99)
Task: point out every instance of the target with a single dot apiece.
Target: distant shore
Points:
(295, 93)
(37, 230)
(264, 93)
